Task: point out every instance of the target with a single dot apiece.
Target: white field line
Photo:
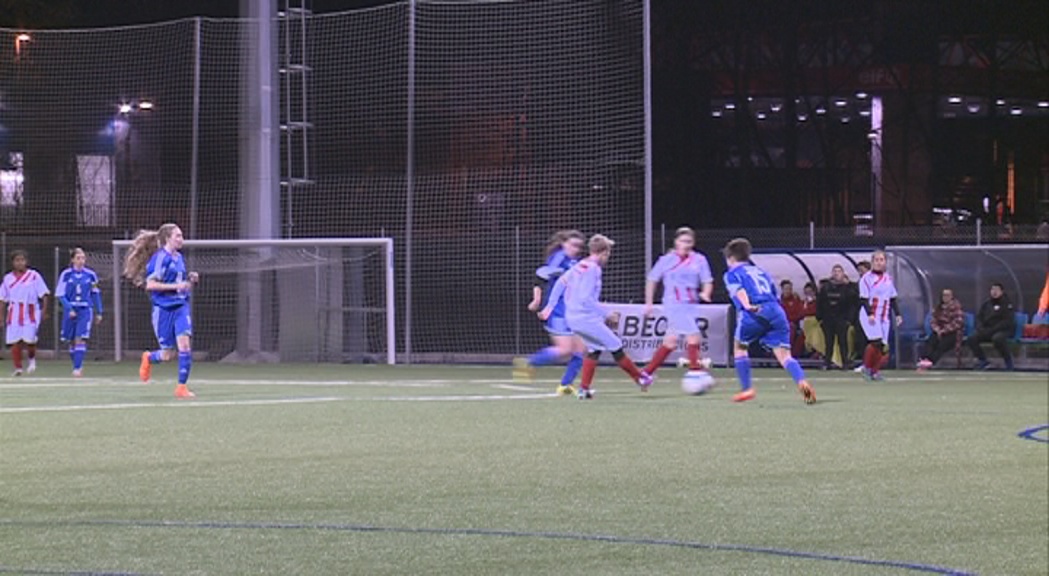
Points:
(276, 401)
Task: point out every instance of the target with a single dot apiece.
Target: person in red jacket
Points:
(948, 321)
(794, 306)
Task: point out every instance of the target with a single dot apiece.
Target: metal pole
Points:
(118, 313)
(391, 302)
(812, 235)
(517, 289)
(409, 186)
(55, 314)
(662, 238)
(647, 65)
(979, 231)
(195, 130)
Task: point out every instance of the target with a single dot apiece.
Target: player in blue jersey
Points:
(759, 318)
(562, 253)
(81, 301)
(155, 263)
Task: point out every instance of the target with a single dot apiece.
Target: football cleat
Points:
(745, 395)
(645, 381)
(523, 372)
(78, 373)
(17, 372)
(31, 367)
(183, 392)
(565, 390)
(145, 369)
(586, 394)
(807, 392)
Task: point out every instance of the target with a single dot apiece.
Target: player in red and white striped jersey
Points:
(23, 306)
(878, 313)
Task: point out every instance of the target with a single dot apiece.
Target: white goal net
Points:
(302, 300)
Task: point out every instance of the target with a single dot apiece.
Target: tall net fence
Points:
(466, 131)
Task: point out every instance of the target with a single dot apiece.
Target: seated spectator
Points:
(948, 322)
(810, 326)
(995, 323)
(834, 309)
(794, 306)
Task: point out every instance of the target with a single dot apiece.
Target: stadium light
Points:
(761, 116)
(840, 103)
(845, 119)
(802, 117)
(861, 95)
(1016, 111)
(973, 108)
(1043, 104)
(19, 40)
(865, 113)
(821, 111)
(125, 108)
(954, 100)
(776, 107)
(1000, 102)
(716, 113)
(730, 106)
(145, 105)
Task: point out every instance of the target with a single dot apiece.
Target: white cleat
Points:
(78, 373)
(32, 366)
(645, 381)
(17, 373)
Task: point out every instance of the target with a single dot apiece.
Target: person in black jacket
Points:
(834, 307)
(995, 323)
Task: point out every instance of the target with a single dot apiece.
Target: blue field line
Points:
(1030, 433)
(569, 536)
(39, 571)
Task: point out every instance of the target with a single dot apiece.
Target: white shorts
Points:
(595, 334)
(681, 320)
(25, 333)
(877, 330)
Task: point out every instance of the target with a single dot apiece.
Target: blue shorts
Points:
(78, 328)
(557, 326)
(170, 323)
(770, 328)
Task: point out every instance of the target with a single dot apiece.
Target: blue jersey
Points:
(167, 268)
(78, 289)
(759, 286)
(557, 264)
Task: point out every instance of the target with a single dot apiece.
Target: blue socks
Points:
(794, 369)
(185, 363)
(743, 371)
(546, 356)
(572, 370)
(76, 354)
(156, 357)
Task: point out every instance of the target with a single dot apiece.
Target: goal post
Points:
(321, 299)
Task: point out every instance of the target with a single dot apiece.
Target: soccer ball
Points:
(697, 382)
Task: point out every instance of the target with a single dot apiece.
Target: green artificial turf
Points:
(286, 470)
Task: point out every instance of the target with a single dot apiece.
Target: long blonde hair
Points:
(146, 242)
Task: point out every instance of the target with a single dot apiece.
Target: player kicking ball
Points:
(760, 318)
(588, 319)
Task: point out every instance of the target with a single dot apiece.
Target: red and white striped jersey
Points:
(878, 289)
(22, 293)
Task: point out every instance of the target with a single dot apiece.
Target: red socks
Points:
(872, 357)
(693, 357)
(16, 355)
(629, 367)
(658, 359)
(589, 366)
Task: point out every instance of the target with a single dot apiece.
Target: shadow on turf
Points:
(562, 536)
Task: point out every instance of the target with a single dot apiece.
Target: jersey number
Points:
(760, 282)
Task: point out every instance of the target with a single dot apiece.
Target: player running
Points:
(687, 280)
(163, 274)
(23, 305)
(878, 312)
(81, 300)
(581, 287)
(760, 318)
(562, 253)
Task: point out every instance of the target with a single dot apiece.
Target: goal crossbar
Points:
(386, 244)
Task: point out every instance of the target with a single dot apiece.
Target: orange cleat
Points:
(145, 369)
(183, 392)
(745, 395)
(807, 392)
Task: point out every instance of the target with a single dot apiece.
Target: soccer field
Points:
(439, 470)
